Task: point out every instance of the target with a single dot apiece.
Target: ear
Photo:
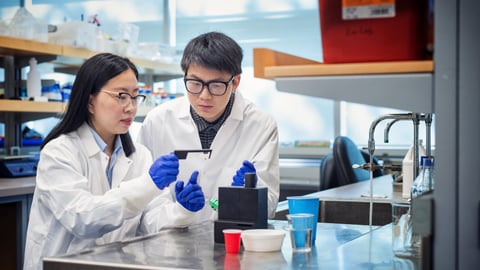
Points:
(91, 104)
(236, 82)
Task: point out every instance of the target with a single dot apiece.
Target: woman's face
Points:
(108, 117)
(206, 105)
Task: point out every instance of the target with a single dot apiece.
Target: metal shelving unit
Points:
(14, 55)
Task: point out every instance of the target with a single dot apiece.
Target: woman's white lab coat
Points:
(73, 206)
(247, 134)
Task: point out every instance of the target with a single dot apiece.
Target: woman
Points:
(93, 182)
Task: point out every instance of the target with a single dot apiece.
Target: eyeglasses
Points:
(215, 88)
(124, 98)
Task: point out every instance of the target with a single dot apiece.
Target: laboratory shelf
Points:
(405, 85)
(15, 54)
(31, 106)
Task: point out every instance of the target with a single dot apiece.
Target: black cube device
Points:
(241, 208)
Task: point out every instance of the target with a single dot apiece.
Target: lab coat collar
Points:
(122, 164)
(87, 137)
(238, 107)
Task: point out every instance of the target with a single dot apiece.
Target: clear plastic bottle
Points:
(423, 183)
(34, 83)
(425, 179)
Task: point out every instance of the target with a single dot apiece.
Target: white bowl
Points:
(262, 240)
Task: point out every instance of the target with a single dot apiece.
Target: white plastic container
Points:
(407, 168)
(263, 240)
(34, 83)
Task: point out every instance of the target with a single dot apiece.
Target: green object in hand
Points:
(214, 204)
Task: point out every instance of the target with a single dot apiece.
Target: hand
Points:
(164, 170)
(191, 197)
(239, 178)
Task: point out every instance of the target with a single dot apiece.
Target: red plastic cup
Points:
(232, 240)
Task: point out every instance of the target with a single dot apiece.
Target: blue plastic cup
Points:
(305, 204)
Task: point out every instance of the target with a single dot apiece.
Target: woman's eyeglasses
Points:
(124, 98)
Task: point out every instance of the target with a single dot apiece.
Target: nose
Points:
(205, 92)
(131, 105)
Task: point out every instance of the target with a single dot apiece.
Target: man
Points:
(215, 116)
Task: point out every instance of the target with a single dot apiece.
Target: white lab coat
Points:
(73, 206)
(247, 134)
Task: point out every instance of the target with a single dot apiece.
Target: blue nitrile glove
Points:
(191, 196)
(238, 179)
(164, 170)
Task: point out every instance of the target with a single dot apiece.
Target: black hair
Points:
(213, 50)
(94, 73)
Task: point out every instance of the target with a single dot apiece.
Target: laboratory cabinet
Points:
(16, 193)
(448, 86)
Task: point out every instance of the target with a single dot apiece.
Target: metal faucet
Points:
(416, 118)
(396, 117)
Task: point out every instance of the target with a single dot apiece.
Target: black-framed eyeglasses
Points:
(215, 88)
(124, 98)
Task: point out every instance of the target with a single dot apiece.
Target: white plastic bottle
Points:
(407, 169)
(34, 83)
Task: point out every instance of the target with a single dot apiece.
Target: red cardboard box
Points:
(373, 30)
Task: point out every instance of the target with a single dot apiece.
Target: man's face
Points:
(208, 106)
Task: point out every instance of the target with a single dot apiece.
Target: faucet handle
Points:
(367, 166)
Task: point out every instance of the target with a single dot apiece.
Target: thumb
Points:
(178, 186)
(249, 165)
(193, 178)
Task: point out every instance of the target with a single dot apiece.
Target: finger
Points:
(171, 179)
(199, 199)
(193, 178)
(172, 156)
(169, 163)
(192, 195)
(189, 189)
(170, 172)
(179, 186)
(239, 174)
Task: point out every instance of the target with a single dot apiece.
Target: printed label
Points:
(367, 9)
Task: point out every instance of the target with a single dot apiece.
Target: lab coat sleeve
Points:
(267, 164)
(64, 187)
(163, 212)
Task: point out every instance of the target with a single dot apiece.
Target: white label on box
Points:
(367, 9)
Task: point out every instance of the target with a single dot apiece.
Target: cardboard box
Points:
(373, 30)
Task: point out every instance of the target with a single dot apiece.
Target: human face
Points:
(108, 117)
(206, 105)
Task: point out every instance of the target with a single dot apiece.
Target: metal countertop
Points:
(338, 246)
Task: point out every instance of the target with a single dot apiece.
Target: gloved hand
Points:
(238, 178)
(191, 196)
(164, 170)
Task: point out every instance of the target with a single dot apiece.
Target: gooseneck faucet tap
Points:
(416, 118)
(387, 130)
(371, 140)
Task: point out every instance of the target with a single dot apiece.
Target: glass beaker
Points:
(404, 243)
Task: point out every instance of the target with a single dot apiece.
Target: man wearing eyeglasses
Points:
(213, 115)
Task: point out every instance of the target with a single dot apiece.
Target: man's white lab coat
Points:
(247, 134)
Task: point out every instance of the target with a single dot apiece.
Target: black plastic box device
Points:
(241, 208)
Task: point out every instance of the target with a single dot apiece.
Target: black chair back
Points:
(337, 168)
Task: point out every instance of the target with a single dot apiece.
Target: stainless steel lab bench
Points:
(338, 246)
